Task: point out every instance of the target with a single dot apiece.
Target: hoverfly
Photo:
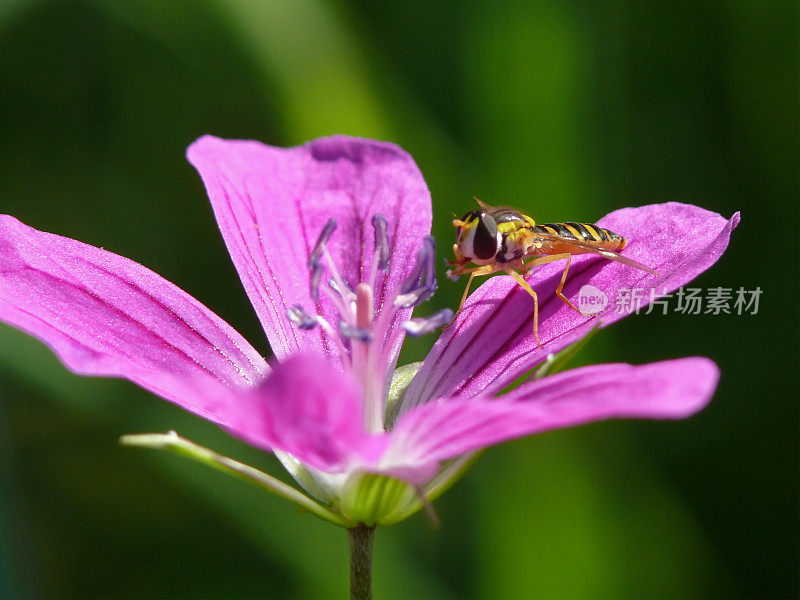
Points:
(498, 238)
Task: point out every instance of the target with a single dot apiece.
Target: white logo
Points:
(591, 301)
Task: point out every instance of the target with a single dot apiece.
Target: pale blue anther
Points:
(424, 325)
(381, 241)
(355, 333)
(316, 275)
(421, 284)
(314, 259)
(412, 281)
(335, 287)
(429, 270)
(316, 253)
(301, 318)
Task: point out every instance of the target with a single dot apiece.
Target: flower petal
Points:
(308, 409)
(492, 342)
(444, 429)
(103, 314)
(272, 203)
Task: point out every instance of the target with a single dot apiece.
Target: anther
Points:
(429, 268)
(412, 281)
(316, 275)
(314, 262)
(362, 334)
(424, 325)
(335, 287)
(381, 241)
(301, 318)
(316, 253)
(421, 284)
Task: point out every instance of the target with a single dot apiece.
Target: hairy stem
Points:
(361, 538)
(173, 442)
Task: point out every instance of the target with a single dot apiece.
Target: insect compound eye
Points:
(467, 220)
(471, 216)
(484, 243)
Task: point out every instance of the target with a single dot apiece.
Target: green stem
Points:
(173, 442)
(361, 539)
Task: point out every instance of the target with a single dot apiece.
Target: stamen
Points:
(429, 269)
(381, 241)
(301, 318)
(412, 281)
(424, 325)
(316, 275)
(316, 253)
(421, 284)
(410, 284)
(345, 306)
(335, 287)
(362, 334)
(314, 262)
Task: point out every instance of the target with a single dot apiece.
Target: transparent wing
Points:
(586, 247)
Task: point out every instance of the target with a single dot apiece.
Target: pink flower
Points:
(331, 241)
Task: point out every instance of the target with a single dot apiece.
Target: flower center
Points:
(365, 335)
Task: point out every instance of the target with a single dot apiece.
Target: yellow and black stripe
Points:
(583, 232)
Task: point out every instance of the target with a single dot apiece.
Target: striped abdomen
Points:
(583, 232)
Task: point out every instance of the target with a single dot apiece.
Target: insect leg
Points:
(473, 273)
(550, 258)
(561, 285)
(524, 284)
(479, 271)
(540, 260)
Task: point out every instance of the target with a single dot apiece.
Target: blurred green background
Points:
(567, 110)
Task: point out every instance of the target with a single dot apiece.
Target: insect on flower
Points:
(499, 238)
(368, 444)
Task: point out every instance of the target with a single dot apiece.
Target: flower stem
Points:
(361, 538)
(173, 442)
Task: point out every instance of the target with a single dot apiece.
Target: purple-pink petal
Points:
(445, 428)
(492, 342)
(103, 314)
(272, 203)
(308, 409)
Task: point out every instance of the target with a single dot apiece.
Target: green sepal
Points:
(401, 379)
(374, 499)
(173, 442)
(449, 473)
